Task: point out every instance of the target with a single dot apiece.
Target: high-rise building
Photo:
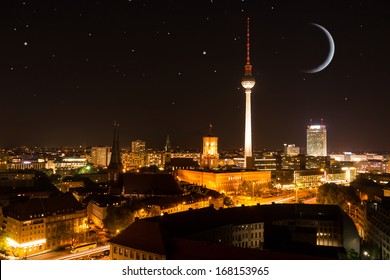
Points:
(101, 156)
(316, 140)
(248, 82)
(210, 154)
(138, 146)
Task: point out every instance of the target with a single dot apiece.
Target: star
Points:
(25, 43)
(204, 52)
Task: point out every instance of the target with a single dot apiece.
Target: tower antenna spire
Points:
(210, 127)
(248, 66)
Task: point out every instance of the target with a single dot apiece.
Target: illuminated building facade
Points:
(210, 154)
(248, 235)
(248, 82)
(291, 150)
(155, 158)
(226, 182)
(138, 146)
(100, 156)
(133, 160)
(45, 224)
(374, 224)
(316, 140)
(26, 164)
(97, 208)
(68, 164)
(293, 162)
(317, 162)
(315, 178)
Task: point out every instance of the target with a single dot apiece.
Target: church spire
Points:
(115, 167)
(167, 147)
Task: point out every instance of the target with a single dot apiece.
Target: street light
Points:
(349, 208)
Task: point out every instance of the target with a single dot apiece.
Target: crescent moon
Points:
(330, 54)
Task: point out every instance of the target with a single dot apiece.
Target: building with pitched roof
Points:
(284, 231)
(150, 184)
(41, 224)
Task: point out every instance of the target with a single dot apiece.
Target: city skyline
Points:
(166, 68)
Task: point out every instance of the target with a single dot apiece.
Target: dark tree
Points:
(118, 218)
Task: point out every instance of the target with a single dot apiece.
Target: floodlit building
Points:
(291, 150)
(316, 140)
(227, 182)
(101, 156)
(135, 158)
(26, 164)
(210, 154)
(42, 224)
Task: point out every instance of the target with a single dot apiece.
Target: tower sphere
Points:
(248, 82)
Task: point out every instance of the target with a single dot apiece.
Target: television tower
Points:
(248, 82)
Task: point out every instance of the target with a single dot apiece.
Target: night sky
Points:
(69, 70)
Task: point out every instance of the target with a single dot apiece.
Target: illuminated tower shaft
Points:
(248, 126)
(248, 82)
